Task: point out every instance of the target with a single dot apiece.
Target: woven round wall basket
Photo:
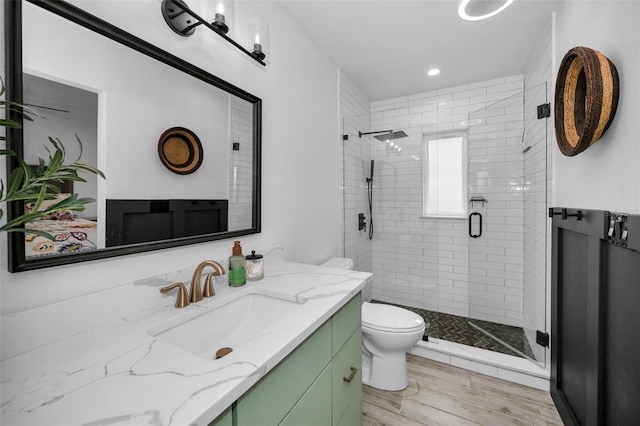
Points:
(586, 98)
(180, 150)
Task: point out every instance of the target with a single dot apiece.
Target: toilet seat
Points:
(391, 319)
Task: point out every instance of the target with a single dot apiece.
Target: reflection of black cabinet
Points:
(595, 302)
(141, 221)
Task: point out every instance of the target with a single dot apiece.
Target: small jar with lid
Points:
(254, 266)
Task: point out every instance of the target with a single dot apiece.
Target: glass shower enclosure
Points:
(508, 190)
(481, 284)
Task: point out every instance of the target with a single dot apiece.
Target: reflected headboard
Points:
(141, 221)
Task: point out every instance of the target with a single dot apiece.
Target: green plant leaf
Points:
(90, 169)
(20, 220)
(29, 231)
(41, 197)
(37, 186)
(15, 181)
(10, 123)
(79, 144)
(26, 172)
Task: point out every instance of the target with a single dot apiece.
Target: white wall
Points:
(137, 89)
(606, 175)
(300, 183)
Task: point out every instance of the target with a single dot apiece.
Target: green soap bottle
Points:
(237, 271)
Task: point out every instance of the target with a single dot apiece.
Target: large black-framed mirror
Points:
(149, 114)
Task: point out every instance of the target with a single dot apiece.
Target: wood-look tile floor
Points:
(440, 394)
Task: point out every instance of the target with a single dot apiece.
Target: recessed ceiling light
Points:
(433, 71)
(479, 9)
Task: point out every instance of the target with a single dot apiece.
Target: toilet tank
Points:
(339, 262)
(347, 263)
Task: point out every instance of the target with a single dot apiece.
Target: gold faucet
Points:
(182, 299)
(196, 293)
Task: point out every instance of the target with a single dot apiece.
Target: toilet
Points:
(387, 333)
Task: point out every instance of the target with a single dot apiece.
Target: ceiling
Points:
(386, 47)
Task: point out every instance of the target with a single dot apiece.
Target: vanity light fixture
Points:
(478, 10)
(258, 38)
(219, 19)
(183, 21)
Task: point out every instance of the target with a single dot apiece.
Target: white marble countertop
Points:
(106, 368)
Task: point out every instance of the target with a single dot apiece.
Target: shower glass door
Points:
(508, 236)
(355, 152)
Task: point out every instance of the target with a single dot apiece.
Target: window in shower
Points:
(444, 175)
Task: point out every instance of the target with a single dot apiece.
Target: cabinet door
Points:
(224, 419)
(269, 401)
(346, 364)
(344, 322)
(314, 408)
(353, 413)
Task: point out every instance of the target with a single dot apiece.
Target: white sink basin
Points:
(230, 324)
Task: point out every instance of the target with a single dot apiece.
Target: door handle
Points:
(471, 234)
(354, 370)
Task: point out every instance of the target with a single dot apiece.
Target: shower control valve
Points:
(362, 223)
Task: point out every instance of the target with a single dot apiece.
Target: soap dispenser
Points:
(237, 271)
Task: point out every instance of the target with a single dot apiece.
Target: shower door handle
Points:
(471, 234)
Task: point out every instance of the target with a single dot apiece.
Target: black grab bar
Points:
(471, 234)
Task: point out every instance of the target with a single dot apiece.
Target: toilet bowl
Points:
(387, 333)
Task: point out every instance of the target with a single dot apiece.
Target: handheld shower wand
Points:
(370, 194)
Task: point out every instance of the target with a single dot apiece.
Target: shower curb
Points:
(502, 366)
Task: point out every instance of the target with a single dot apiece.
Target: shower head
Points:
(391, 135)
(385, 135)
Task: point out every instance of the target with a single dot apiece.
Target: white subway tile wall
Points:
(240, 170)
(432, 263)
(356, 156)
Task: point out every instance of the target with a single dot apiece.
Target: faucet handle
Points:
(208, 290)
(182, 299)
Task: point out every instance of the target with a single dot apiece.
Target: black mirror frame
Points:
(14, 91)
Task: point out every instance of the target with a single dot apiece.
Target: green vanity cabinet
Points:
(308, 387)
(224, 419)
(269, 401)
(347, 365)
(314, 408)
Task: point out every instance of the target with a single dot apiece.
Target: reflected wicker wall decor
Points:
(586, 98)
